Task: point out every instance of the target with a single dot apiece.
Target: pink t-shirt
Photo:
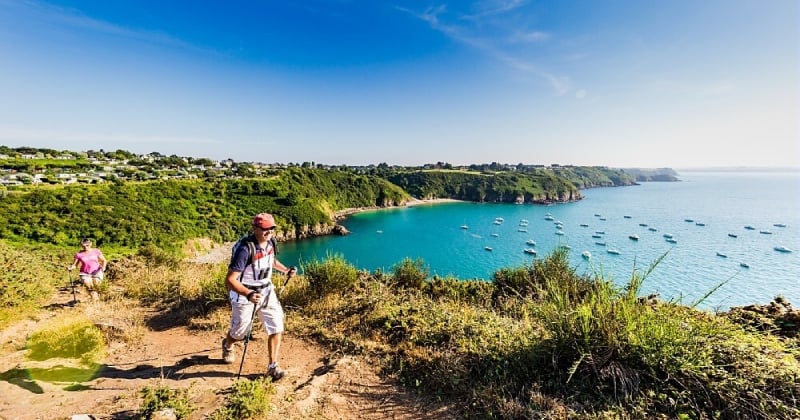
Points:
(90, 260)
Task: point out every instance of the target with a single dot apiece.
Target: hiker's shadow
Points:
(174, 371)
(78, 377)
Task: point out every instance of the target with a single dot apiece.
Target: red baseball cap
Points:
(264, 221)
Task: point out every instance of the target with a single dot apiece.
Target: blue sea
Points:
(706, 214)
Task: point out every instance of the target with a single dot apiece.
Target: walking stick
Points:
(292, 271)
(247, 337)
(72, 284)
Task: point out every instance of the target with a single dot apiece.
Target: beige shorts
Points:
(92, 281)
(271, 314)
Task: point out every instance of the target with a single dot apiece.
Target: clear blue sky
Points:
(679, 83)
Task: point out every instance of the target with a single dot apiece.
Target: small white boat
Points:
(652, 229)
(748, 227)
(529, 251)
(744, 265)
(733, 235)
(667, 235)
(378, 231)
(699, 224)
(765, 232)
(600, 232)
(584, 225)
(464, 227)
(586, 254)
(597, 215)
(548, 217)
(613, 251)
(596, 236)
(719, 254)
(603, 219)
(643, 224)
(600, 243)
(495, 235)
(565, 247)
(559, 232)
(627, 217)
(488, 248)
(633, 237)
(531, 242)
(497, 222)
(522, 230)
(780, 225)
(524, 221)
(689, 220)
(672, 240)
(782, 249)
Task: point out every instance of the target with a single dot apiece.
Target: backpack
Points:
(250, 242)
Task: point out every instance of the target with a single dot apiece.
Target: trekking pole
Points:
(289, 275)
(72, 285)
(247, 337)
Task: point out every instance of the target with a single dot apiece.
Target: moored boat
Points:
(633, 237)
(529, 251)
(782, 249)
(733, 235)
(586, 254)
(719, 254)
(613, 251)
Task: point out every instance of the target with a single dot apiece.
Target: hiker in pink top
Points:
(92, 265)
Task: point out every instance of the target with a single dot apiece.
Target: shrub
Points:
(332, 275)
(410, 274)
(161, 397)
(246, 399)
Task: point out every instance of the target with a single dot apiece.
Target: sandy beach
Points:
(341, 214)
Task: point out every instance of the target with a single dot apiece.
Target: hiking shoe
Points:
(228, 354)
(276, 373)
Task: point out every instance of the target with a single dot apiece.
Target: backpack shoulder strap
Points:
(251, 249)
(274, 243)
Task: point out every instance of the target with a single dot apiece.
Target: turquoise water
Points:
(723, 202)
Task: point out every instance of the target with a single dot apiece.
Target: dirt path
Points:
(317, 385)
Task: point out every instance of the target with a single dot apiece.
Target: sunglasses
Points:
(269, 229)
